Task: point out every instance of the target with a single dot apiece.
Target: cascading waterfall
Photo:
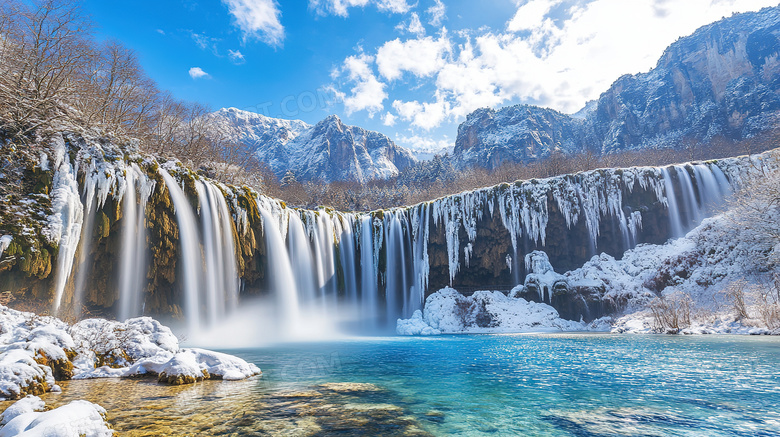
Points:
(675, 219)
(369, 272)
(331, 264)
(190, 254)
(282, 280)
(132, 275)
(86, 243)
(221, 276)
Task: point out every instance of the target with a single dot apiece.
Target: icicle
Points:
(64, 228)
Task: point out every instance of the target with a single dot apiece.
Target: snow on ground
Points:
(27, 418)
(34, 350)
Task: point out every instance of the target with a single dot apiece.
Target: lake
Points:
(531, 384)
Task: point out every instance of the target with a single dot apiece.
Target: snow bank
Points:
(78, 418)
(141, 346)
(449, 312)
(32, 349)
(36, 351)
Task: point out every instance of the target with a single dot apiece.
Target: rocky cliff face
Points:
(265, 135)
(329, 151)
(383, 262)
(519, 133)
(723, 80)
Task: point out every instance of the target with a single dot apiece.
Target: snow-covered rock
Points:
(449, 312)
(26, 418)
(37, 351)
(27, 404)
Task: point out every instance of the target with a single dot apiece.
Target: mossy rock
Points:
(62, 368)
(164, 378)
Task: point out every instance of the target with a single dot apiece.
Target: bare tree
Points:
(45, 47)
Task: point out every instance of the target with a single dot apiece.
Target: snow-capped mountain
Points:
(329, 151)
(724, 79)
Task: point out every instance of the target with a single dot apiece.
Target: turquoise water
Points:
(550, 385)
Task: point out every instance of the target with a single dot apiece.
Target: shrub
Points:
(671, 312)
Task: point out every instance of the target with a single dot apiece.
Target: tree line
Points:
(428, 180)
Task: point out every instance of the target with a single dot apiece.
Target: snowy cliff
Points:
(721, 80)
(329, 151)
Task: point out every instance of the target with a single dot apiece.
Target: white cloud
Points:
(367, 92)
(423, 144)
(424, 115)
(414, 26)
(236, 57)
(394, 6)
(341, 7)
(437, 12)
(198, 73)
(421, 56)
(530, 14)
(160, 31)
(257, 19)
(388, 119)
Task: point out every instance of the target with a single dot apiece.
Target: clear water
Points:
(538, 385)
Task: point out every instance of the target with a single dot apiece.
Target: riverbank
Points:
(39, 353)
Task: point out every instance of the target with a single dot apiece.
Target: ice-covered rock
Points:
(25, 418)
(415, 326)
(449, 312)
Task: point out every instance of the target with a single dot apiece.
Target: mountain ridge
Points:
(329, 151)
(722, 80)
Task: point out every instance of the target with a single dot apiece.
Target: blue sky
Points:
(411, 70)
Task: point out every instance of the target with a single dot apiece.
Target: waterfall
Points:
(368, 272)
(190, 254)
(671, 202)
(692, 212)
(86, 242)
(282, 280)
(325, 265)
(221, 276)
(347, 251)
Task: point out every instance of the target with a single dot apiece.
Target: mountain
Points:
(723, 80)
(329, 151)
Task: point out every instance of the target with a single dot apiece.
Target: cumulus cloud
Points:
(388, 119)
(198, 73)
(426, 115)
(257, 19)
(421, 57)
(367, 93)
(341, 7)
(423, 144)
